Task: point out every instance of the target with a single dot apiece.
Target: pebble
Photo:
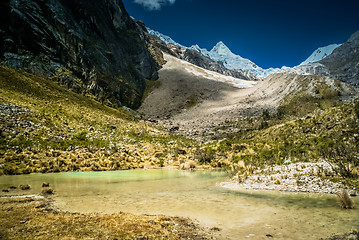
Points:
(293, 177)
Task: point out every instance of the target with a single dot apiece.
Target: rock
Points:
(341, 64)
(25, 187)
(188, 165)
(288, 178)
(174, 129)
(91, 47)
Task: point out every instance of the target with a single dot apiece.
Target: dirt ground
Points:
(193, 101)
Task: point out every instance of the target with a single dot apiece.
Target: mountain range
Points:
(98, 49)
(221, 53)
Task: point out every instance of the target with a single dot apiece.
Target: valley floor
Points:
(47, 128)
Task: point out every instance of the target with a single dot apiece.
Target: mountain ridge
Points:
(220, 52)
(312, 65)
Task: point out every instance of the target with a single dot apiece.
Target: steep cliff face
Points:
(343, 63)
(91, 46)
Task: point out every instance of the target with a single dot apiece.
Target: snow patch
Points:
(320, 54)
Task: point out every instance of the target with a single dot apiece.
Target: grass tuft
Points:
(345, 200)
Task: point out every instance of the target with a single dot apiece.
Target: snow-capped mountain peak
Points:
(220, 52)
(221, 49)
(320, 54)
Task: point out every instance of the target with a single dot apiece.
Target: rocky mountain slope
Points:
(341, 64)
(192, 55)
(93, 47)
(338, 61)
(196, 104)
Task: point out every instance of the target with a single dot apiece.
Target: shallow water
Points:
(239, 214)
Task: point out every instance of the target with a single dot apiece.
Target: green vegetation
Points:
(48, 128)
(301, 103)
(330, 133)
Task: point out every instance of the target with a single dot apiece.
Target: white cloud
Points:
(154, 4)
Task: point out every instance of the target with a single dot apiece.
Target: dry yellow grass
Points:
(29, 218)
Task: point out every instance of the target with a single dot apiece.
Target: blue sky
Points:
(271, 33)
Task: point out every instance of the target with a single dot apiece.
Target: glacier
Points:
(220, 52)
(320, 54)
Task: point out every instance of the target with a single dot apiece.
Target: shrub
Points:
(80, 136)
(47, 190)
(356, 109)
(345, 200)
(205, 155)
(25, 187)
(343, 157)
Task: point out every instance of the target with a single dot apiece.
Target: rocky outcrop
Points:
(91, 46)
(343, 63)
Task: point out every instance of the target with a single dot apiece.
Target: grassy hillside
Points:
(330, 134)
(46, 128)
